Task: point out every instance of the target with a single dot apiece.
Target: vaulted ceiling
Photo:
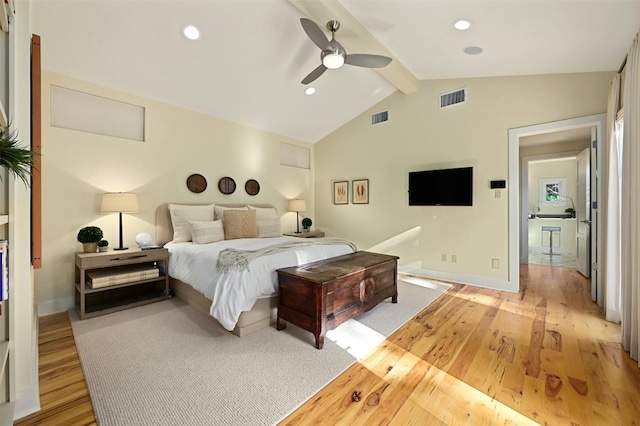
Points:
(248, 64)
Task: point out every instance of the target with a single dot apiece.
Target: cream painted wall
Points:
(78, 167)
(421, 136)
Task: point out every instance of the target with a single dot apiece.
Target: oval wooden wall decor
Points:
(196, 183)
(252, 187)
(227, 185)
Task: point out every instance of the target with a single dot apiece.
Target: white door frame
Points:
(517, 216)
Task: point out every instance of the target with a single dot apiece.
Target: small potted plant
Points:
(306, 224)
(103, 245)
(89, 237)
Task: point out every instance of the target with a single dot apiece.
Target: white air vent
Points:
(453, 98)
(379, 117)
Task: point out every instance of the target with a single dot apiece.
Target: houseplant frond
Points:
(16, 159)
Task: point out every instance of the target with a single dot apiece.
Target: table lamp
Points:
(297, 206)
(119, 202)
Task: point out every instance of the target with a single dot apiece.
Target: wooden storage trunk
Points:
(322, 295)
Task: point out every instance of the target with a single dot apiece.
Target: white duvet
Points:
(237, 291)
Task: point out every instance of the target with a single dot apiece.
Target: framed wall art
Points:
(553, 192)
(341, 192)
(360, 191)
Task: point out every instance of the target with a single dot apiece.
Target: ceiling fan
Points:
(333, 55)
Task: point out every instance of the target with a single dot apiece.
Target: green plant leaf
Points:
(16, 159)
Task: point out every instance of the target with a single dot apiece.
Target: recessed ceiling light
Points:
(462, 24)
(309, 90)
(191, 32)
(473, 50)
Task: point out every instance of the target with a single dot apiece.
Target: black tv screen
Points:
(443, 187)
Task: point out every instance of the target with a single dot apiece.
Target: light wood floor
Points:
(475, 356)
(64, 397)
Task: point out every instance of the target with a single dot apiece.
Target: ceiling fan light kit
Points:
(333, 55)
(333, 61)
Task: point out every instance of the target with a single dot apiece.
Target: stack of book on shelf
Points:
(121, 275)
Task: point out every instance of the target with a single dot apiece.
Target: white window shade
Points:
(295, 156)
(80, 111)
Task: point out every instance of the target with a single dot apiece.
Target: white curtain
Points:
(630, 230)
(612, 267)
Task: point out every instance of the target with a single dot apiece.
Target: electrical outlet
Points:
(443, 257)
(495, 263)
(454, 258)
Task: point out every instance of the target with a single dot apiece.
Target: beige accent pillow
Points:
(264, 213)
(181, 214)
(219, 211)
(207, 232)
(239, 224)
(268, 228)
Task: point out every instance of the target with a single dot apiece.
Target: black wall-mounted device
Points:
(498, 184)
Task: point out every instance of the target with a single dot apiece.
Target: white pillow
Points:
(219, 211)
(181, 214)
(207, 232)
(264, 213)
(268, 228)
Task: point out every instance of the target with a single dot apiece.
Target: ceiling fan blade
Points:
(368, 61)
(315, 33)
(314, 74)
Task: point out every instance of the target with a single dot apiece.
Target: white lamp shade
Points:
(119, 202)
(297, 206)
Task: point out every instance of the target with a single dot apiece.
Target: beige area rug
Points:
(167, 364)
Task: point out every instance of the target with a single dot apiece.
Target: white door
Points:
(583, 214)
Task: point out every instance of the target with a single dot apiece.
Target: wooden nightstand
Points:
(308, 234)
(116, 280)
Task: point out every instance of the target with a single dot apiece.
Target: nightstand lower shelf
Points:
(102, 269)
(106, 300)
(104, 309)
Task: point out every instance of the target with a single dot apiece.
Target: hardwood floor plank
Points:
(411, 414)
(475, 356)
(64, 397)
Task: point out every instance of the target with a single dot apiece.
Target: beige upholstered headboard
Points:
(164, 229)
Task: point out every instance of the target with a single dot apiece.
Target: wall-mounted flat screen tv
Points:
(443, 187)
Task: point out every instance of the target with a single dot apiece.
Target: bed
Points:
(198, 281)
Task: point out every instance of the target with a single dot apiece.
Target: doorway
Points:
(518, 192)
(552, 199)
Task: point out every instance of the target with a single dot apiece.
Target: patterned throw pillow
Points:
(239, 224)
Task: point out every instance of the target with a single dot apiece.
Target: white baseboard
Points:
(28, 400)
(484, 282)
(55, 306)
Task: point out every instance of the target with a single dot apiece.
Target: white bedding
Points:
(237, 291)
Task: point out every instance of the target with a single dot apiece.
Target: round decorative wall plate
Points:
(196, 183)
(252, 187)
(227, 185)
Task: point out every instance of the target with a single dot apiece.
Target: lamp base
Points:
(121, 248)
